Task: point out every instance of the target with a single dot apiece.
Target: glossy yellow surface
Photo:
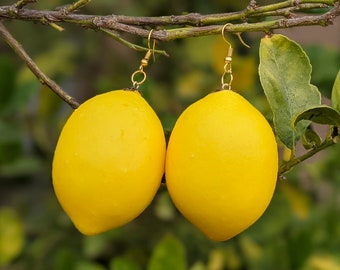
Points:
(109, 161)
(221, 164)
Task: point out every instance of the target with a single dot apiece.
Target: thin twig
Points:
(76, 5)
(130, 45)
(16, 46)
(22, 3)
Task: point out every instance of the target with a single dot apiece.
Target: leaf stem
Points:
(129, 44)
(17, 48)
(285, 167)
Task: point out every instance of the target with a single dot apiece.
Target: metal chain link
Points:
(144, 63)
(227, 76)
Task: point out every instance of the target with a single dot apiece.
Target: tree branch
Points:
(281, 15)
(15, 45)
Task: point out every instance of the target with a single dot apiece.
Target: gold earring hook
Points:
(144, 62)
(223, 33)
(238, 35)
(230, 50)
(152, 50)
(242, 41)
(227, 76)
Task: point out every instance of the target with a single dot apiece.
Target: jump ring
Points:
(135, 82)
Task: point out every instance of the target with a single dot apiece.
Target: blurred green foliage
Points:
(300, 229)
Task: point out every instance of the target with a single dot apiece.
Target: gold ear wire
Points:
(227, 74)
(238, 35)
(152, 50)
(230, 50)
(143, 64)
(242, 41)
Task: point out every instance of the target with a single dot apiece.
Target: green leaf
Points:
(322, 261)
(94, 246)
(322, 114)
(87, 265)
(310, 139)
(164, 207)
(123, 263)
(198, 266)
(169, 254)
(11, 235)
(64, 258)
(336, 93)
(285, 74)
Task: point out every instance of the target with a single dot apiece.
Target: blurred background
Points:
(300, 229)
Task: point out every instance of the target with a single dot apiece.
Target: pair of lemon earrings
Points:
(220, 163)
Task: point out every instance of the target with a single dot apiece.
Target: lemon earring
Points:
(109, 160)
(222, 161)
